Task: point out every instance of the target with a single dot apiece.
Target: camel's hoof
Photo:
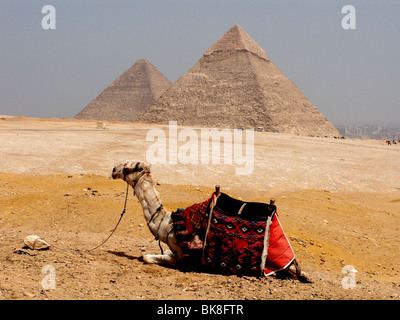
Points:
(304, 278)
(148, 259)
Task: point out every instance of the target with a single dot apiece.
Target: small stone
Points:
(36, 243)
(28, 294)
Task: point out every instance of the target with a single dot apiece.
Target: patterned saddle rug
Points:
(229, 236)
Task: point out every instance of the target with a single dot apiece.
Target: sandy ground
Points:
(338, 200)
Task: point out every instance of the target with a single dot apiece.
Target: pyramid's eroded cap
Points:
(237, 39)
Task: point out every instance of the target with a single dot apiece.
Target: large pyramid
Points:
(236, 85)
(127, 98)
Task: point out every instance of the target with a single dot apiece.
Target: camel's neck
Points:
(157, 217)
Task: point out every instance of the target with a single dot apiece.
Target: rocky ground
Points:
(55, 183)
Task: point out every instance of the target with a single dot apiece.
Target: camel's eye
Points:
(126, 171)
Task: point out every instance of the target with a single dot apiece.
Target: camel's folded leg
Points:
(169, 258)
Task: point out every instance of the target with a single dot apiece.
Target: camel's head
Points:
(130, 172)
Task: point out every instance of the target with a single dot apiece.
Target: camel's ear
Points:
(145, 166)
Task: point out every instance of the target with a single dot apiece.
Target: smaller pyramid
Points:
(128, 97)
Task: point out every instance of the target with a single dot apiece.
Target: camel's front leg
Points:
(169, 258)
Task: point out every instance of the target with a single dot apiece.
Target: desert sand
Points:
(338, 201)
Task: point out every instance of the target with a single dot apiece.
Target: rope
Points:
(112, 232)
(120, 218)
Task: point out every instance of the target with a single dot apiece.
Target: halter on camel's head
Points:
(131, 172)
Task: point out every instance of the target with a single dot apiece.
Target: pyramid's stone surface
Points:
(236, 85)
(237, 39)
(127, 98)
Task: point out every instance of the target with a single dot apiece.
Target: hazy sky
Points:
(349, 75)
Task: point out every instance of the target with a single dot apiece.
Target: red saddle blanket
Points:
(230, 236)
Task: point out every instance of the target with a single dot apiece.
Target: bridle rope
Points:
(112, 232)
(120, 218)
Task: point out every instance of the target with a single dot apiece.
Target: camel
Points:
(137, 174)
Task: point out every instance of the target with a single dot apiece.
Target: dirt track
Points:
(338, 200)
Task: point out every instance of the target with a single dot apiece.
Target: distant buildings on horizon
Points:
(370, 131)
